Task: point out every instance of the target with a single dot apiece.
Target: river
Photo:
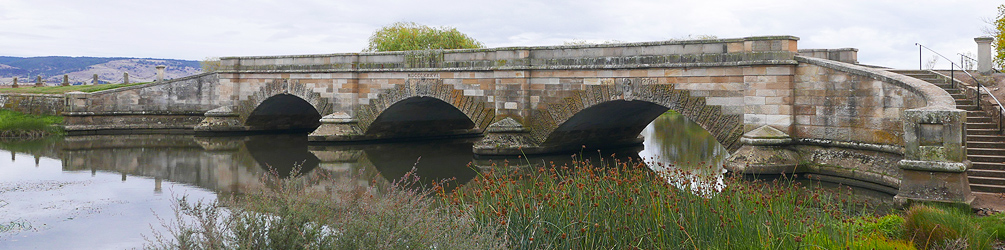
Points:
(109, 191)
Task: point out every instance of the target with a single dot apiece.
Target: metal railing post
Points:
(919, 56)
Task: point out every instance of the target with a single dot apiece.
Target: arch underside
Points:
(283, 105)
(609, 115)
(284, 112)
(422, 108)
(420, 117)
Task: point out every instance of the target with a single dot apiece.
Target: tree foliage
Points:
(998, 32)
(402, 36)
(210, 64)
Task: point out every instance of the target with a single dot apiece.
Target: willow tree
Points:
(412, 36)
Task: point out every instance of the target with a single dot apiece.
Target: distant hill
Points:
(82, 69)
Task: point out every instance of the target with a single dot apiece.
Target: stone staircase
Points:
(985, 146)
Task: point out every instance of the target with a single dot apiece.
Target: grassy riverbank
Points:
(64, 89)
(626, 206)
(19, 125)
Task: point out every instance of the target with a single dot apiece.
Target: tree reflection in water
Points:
(688, 154)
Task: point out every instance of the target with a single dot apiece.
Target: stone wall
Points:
(36, 104)
(846, 55)
(834, 102)
(172, 104)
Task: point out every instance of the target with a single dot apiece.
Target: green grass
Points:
(944, 227)
(64, 89)
(19, 125)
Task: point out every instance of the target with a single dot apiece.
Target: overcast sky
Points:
(884, 31)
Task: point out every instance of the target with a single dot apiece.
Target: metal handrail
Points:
(1001, 110)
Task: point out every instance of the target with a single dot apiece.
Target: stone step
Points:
(986, 173)
(991, 138)
(987, 188)
(964, 102)
(967, 107)
(986, 158)
(985, 151)
(985, 144)
(981, 131)
(959, 96)
(982, 125)
(981, 119)
(986, 180)
(997, 166)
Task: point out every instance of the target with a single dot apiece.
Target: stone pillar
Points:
(125, 77)
(935, 159)
(984, 54)
(66, 80)
(160, 72)
(15, 83)
(95, 80)
(337, 126)
(38, 81)
(76, 101)
(765, 150)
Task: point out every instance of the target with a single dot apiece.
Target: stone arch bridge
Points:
(778, 109)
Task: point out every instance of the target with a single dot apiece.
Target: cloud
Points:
(884, 30)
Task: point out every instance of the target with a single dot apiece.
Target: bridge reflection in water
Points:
(235, 164)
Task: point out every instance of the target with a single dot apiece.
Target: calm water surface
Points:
(106, 192)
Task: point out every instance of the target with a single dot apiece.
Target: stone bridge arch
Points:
(651, 97)
(282, 89)
(471, 107)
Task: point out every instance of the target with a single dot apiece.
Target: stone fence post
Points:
(66, 80)
(38, 81)
(95, 80)
(15, 83)
(935, 159)
(984, 57)
(125, 77)
(160, 73)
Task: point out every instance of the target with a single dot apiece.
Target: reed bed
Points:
(630, 206)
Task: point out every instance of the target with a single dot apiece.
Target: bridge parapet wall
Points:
(173, 104)
(36, 104)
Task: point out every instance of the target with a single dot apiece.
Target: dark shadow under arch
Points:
(421, 117)
(284, 112)
(609, 124)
